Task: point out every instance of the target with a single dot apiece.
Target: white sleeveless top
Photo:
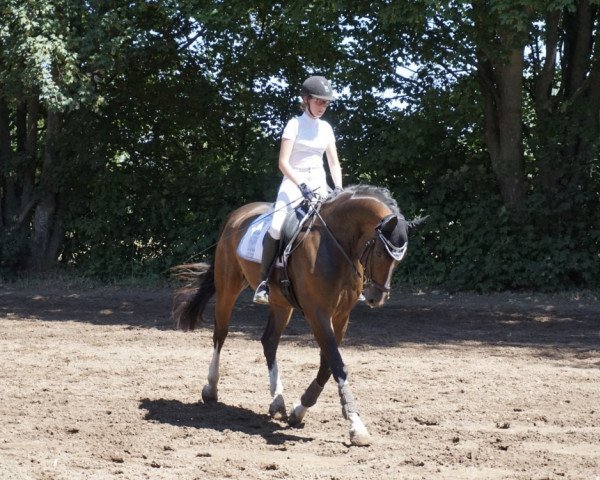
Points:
(311, 138)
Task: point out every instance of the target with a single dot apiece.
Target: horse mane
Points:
(380, 193)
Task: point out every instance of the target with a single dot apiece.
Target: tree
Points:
(68, 88)
(537, 66)
(43, 78)
(128, 131)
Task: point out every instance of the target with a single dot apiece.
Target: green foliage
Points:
(435, 164)
(475, 246)
(171, 114)
(12, 252)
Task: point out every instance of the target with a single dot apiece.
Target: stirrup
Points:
(261, 296)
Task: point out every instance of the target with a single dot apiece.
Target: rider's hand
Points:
(306, 192)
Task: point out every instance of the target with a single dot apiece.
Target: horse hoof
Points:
(360, 438)
(209, 394)
(297, 415)
(277, 408)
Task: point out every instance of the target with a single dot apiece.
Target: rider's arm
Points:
(334, 164)
(284, 160)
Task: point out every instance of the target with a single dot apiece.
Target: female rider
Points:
(303, 142)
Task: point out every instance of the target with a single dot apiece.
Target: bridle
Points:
(396, 253)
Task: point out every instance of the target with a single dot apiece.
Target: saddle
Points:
(295, 228)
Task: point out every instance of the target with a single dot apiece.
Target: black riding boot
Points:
(270, 250)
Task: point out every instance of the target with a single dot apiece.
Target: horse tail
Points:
(189, 302)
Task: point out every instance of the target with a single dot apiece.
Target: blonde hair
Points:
(304, 102)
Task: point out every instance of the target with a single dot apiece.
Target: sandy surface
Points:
(96, 384)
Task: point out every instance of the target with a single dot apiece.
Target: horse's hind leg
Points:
(223, 308)
(278, 319)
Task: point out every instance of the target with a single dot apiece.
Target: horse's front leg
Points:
(359, 435)
(312, 393)
(328, 339)
(278, 319)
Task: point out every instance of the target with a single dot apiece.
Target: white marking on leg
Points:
(213, 370)
(310, 397)
(209, 392)
(357, 423)
(275, 385)
(277, 408)
(298, 412)
(359, 435)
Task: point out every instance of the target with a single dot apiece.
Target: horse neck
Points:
(353, 221)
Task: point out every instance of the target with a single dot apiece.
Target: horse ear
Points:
(417, 221)
(388, 224)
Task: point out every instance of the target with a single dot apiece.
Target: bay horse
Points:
(354, 245)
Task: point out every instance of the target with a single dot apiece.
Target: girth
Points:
(296, 227)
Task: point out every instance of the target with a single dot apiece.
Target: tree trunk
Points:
(4, 155)
(578, 96)
(30, 157)
(567, 122)
(7, 170)
(550, 170)
(594, 91)
(47, 231)
(501, 84)
(579, 30)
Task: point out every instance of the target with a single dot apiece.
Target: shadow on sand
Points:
(221, 418)
(428, 319)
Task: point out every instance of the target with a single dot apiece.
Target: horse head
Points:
(382, 254)
(370, 215)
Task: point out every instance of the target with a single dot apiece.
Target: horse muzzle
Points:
(375, 295)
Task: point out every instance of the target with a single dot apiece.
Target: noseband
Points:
(396, 253)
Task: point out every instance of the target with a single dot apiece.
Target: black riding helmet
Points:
(317, 87)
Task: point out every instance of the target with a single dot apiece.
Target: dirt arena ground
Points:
(96, 384)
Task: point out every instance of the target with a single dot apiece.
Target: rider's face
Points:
(317, 106)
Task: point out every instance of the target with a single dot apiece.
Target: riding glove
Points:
(306, 192)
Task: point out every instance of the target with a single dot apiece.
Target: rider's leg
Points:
(270, 250)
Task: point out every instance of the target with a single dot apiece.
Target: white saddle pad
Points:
(251, 245)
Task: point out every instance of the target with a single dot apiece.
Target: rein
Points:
(337, 244)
